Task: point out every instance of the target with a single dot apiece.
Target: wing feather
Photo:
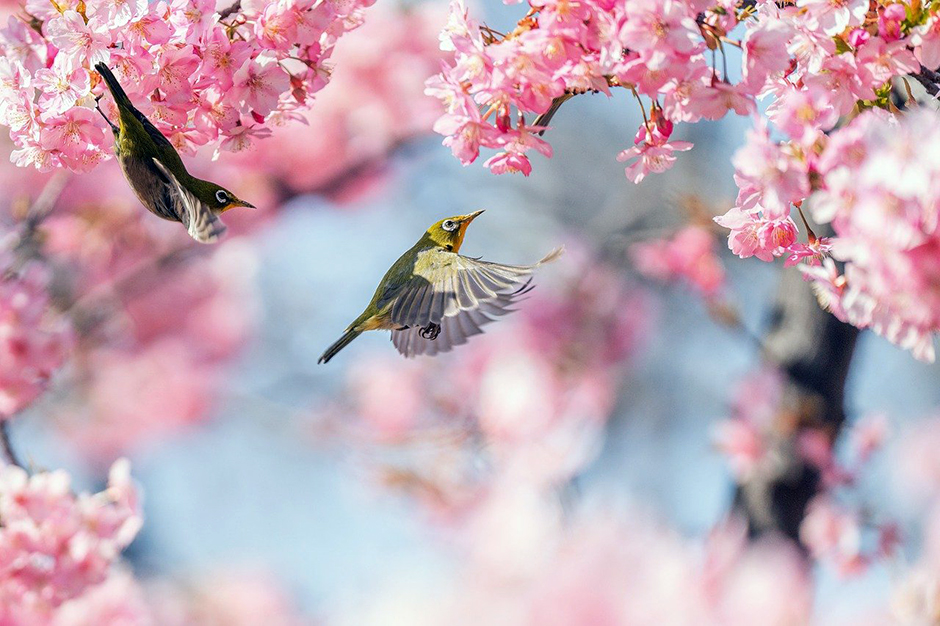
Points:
(201, 223)
(465, 297)
(402, 305)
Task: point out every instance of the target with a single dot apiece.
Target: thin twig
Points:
(49, 195)
(6, 446)
(130, 284)
(28, 244)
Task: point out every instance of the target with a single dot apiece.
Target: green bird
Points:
(156, 173)
(433, 298)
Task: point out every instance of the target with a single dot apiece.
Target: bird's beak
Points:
(472, 216)
(238, 203)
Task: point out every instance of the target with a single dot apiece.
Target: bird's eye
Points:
(221, 196)
(449, 225)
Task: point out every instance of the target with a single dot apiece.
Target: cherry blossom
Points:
(832, 532)
(926, 40)
(834, 16)
(653, 154)
(60, 88)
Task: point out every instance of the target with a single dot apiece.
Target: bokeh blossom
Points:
(688, 255)
(55, 545)
(34, 340)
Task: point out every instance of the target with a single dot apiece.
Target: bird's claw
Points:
(431, 331)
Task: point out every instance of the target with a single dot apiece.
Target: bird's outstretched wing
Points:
(461, 295)
(201, 223)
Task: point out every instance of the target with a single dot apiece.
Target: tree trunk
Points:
(813, 349)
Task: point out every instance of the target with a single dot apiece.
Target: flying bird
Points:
(156, 173)
(433, 298)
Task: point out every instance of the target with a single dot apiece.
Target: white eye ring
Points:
(449, 225)
(221, 196)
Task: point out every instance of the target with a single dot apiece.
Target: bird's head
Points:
(216, 197)
(448, 233)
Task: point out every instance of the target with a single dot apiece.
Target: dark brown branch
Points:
(929, 79)
(546, 117)
(814, 350)
(224, 13)
(363, 166)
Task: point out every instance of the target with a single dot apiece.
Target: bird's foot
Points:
(431, 331)
(106, 118)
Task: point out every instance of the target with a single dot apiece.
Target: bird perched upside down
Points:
(156, 173)
(433, 299)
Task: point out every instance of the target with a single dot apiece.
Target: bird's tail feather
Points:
(341, 343)
(120, 97)
(551, 256)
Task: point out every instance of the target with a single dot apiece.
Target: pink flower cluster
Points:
(200, 77)
(33, 340)
(55, 545)
(816, 58)
(564, 48)
(745, 438)
(838, 529)
(878, 188)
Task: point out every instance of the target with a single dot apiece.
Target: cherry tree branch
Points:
(28, 246)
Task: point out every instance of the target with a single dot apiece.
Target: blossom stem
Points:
(810, 235)
(646, 121)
